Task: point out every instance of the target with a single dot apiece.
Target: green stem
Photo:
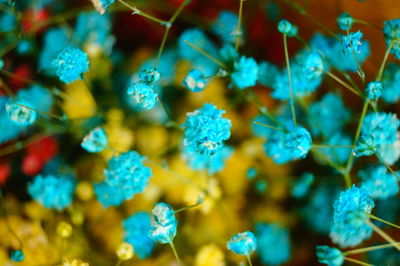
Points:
(360, 71)
(215, 60)
(331, 146)
(43, 112)
(290, 80)
(359, 262)
(347, 179)
(384, 235)
(163, 42)
(383, 221)
(249, 260)
(271, 127)
(189, 207)
(363, 113)
(367, 249)
(175, 253)
(136, 11)
(344, 84)
(238, 27)
(385, 58)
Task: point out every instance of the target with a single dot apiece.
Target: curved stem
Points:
(290, 80)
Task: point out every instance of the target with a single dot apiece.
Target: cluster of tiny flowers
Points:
(345, 21)
(391, 32)
(195, 81)
(378, 182)
(143, 92)
(352, 43)
(350, 217)
(330, 256)
(19, 114)
(374, 90)
(243, 243)
(206, 130)
(164, 224)
(95, 141)
(245, 73)
(136, 229)
(285, 27)
(53, 191)
(126, 176)
(225, 26)
(70, 64)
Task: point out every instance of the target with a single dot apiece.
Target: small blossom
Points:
(195, 81)
(243, 243)
(95, 141)
(285, 27)
(150, 75)
(298, 142)
(365, 146)
(70, 64)
(374, 90)
(19, 114)
(144, 94)
(378, 182)
(164, 224)
(225, 26)
(17, 255)
(391, 32)
(245, 73)
(352, 43)
(330, 256)
(102, 5)
(345, 21)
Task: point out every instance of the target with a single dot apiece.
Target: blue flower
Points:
(136, 233)
(206, 130)
(378, 182)
(225, 26)
(149, 75)
(245, 73)
(164, 224)
(273, 244)
(345, 21)
(302, 185)
(332, 50)
(330, 256)
(195, 81)
(8, 22)
(19, 114)
(128, 173)
(17, 255)
(313, 65)
(251, 173)
(243, 243)
(285, 27)
(228, 54)
(365, 146)
(390, 81)
(53, 191)
(374, 90)
(381, 126)
(267, 73)
(109, 195)
(70, 64)
(352, 43)
(297, 142)
(350, 217)
(55, 40)
(95, 141)
(143, 93)
(391, 32)
(213, 163)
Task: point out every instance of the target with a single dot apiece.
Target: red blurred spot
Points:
(32, 18)
(21, 73)
(46, 148)
(32, 164)
(5, 171)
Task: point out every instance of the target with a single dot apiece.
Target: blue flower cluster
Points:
(225, 26)
(330, 256)
(285, 27)
(70, 64)
(20, 114)
(126, 175)
(374, 90)
(345, 21)
(136, 233)
(55, 40)
(53, 191)
(350, 217)
(243, 243)
(273, 244)
(352, 43)
(245, 73)
(391, 32)
(195, 81)
(95, 141)
(378, 182)
(164, 225)
(390, 81)
(206, 130)
(144, 94)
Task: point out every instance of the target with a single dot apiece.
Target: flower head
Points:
(144, 94)
(17, 255)
(195, 81)
(378, 182)
(95, 141)
(245, 73)
(297, 142)
(330, 256)
(54, 192)
(225, 26)
(345, 21)
(149, 75)
(374, 90)
(109, 195)
(70, 64)
(273, 243)
(391, 32)
(243, 243)
(206, 130)
(352, 42)
(20, 114)
(164, 224)
(285, 27)
(136, 229)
